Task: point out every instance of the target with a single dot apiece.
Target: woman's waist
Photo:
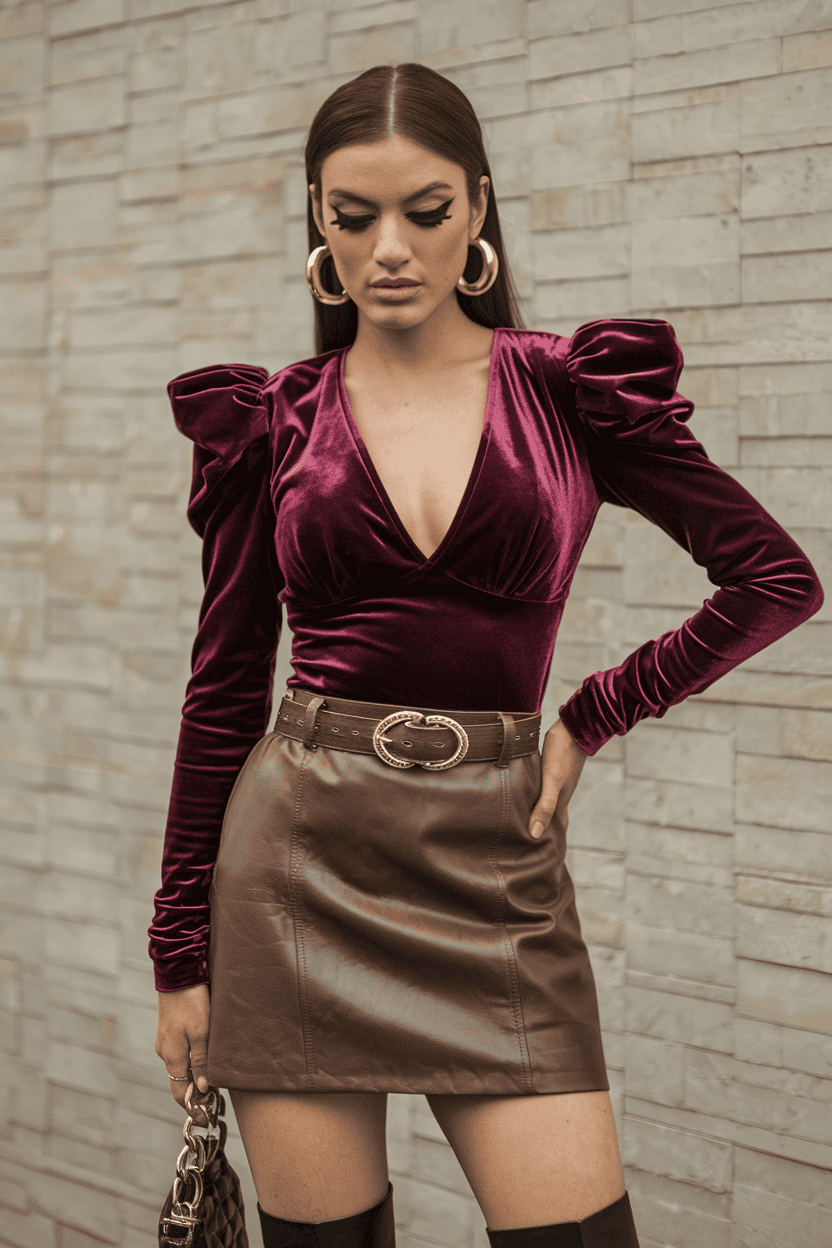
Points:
(380, 710)
(405, 735)
(435, 660)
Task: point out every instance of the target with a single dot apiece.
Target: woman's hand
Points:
(182, 1037)
(563, 762)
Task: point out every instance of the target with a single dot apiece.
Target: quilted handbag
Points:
(204, 1207)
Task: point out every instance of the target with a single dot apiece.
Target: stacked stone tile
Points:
(665, 158)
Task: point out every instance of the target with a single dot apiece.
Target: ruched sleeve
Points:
(228, 697)
(643, 456)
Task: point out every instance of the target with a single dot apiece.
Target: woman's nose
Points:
(391, 246)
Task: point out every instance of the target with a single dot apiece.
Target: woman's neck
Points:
(447, 337)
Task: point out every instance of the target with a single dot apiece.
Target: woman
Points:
(418, 495)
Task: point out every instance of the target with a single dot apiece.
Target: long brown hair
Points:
(418, 104)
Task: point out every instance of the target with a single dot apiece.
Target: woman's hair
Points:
(417, 103)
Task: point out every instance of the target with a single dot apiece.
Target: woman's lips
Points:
(393, 283)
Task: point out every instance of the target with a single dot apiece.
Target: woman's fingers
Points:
(547, 802)
(182, 1038)
(177, 1066)
(199, 1059)
(563, 763)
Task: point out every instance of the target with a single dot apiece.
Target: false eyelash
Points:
(434, 216)
(347, 221)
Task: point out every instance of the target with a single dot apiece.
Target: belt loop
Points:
(507, 722)
(309, 723)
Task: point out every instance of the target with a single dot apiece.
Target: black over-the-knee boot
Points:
(612, 1227)
(374, 1228)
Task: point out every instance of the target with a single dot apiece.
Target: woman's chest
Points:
(422, 442)
(498, 496)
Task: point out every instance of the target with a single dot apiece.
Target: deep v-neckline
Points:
(473, 475)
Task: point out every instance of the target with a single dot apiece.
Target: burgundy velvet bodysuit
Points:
(291, 511)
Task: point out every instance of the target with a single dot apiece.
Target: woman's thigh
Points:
(534, 1160)
(314, 1156)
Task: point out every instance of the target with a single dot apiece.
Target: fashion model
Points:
(375, 889)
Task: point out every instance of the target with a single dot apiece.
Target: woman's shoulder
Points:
(625, 339)
(616, 371)
(219, 407)
(295, 380)
(224, 407)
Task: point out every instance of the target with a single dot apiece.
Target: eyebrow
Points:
(432, 186)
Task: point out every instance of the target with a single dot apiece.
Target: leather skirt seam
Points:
(511, 960)
(295, 881)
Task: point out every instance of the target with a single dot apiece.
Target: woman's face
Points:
(398, 222)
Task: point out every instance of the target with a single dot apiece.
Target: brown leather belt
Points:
(407, 736)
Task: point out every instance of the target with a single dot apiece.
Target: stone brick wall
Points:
(652, 157)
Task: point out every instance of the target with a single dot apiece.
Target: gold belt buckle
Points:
(412, 718)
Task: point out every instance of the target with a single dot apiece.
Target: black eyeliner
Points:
(433, 216)
(344, 220)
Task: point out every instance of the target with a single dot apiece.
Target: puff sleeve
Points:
(228, 697)
(623, 376)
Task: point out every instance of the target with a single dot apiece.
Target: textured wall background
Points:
(653, 157)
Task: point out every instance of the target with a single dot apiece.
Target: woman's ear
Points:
(479, 208)
(316, 209)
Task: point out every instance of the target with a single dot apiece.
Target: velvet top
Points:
(292, 513)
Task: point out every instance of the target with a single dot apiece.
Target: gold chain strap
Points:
(199, 1152)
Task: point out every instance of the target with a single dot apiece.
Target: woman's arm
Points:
(228, 697)
(643, 456)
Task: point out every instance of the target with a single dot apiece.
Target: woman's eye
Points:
(350, 222)
(433, 217)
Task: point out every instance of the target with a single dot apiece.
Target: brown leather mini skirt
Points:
(389, 928)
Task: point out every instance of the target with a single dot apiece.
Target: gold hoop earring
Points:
(313, 277)
(490, 269)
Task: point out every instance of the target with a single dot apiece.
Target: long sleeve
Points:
(228, 697)
(643, 456)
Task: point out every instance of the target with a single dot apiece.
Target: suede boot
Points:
(374, 1228)
(612, 1227)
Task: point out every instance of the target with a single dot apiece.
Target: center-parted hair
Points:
(415, 102)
